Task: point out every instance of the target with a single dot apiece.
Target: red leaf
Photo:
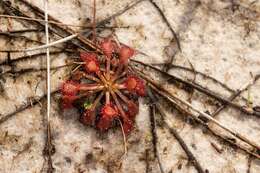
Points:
(135, 84)
(70, 87)
(108, 113)
(88, 117)
(92, 64)
(108, 47)
(104, 123)
(67, 101)
(133, 110)
(125, 53)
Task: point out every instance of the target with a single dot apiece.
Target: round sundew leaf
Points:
(131, 83)
(88, 117)
(135, 84)
(91, 62)
(104, 123)
(133, 110)
(125, 53)
(67, 101)
(140, 89)
(70, 87)
(109, 110)
(92, 66)
(87, 56)
(107, 47)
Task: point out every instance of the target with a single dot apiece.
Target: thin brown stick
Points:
(27, 57)
(52, 22)
(155, 136)
(235, 93)
(39, 12)
(31, 70)
(175, 133)
(15, 11)
(235, 134)
(249, 164)
(83, 40)
(173, 97)
(175, 37)
(15, 36)
(49, 149)
(94, 24)
(167, 23)
(204, 90)
(173, 66)
(33, 102)
(184, 111)
(232, 97)
(24, 31)
(8, 34)
(65, 29)
(147, 161)
(231, 141)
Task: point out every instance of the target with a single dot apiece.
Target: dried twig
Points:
(231, 141)
(24, 31)
(167, 22)
(16, 73)
(249, 163)
(204, 90)
(176, 135)
(27, 57)
(172, 97)
(155, 136)
(175, 37)
(147, 161)
(9, 34)
(232, 97)
(34, 101)
(13, 35)
(11, 10)
(71, 33)
(52, 22)
(168, 96)
(173, 66)
(235, 93)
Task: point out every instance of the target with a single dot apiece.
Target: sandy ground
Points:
(217, 37)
